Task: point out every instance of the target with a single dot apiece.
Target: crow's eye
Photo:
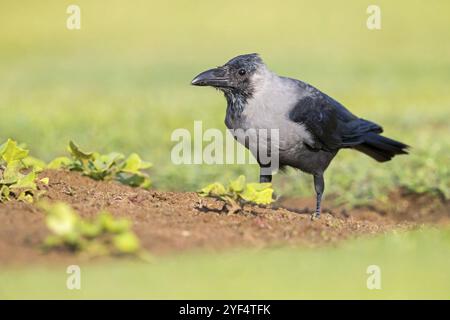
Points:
(241, 72)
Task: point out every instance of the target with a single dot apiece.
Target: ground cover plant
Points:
(238, 192)
(111, 166)
(18, 177)
(102, 235)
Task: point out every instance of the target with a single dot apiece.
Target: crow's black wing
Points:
(331, 125)
(321, 121)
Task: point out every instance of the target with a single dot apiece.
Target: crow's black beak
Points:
(216, 77)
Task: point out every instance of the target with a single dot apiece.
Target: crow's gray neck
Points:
(236, 102)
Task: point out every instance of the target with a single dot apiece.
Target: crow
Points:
(312, 126)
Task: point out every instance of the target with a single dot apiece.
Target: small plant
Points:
(238, 193)
(18, 174)
(104, 235)
(112, 166)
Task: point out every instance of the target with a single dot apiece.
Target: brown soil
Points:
(168, 222)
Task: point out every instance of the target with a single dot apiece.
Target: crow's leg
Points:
(319, 185)
(266, 178)
(263, 178)
(265, 175)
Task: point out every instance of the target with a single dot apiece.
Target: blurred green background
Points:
(412, 266)
(122, 82)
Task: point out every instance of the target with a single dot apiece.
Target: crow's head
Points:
(236, 77)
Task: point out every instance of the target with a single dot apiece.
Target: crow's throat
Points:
(236, 102)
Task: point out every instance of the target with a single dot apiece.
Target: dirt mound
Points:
(169, 222)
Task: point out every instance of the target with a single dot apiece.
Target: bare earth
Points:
(169, 222)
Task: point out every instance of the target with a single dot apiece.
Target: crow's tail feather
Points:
(381, 148)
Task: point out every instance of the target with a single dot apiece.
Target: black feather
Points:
(333, 127)
(381, 148)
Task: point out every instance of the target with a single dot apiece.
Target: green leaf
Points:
(12, 173)
(102, 236)
(25, 197)
(99, 165)
(239, 191)
(109, 224)
(78, 154)
(259, 193)
(9, 151)
(146, 184)
(134, 180)
(111, 159)
(59, 163)
(126, 242)
(237, 185)
(214, 189)
(106, 167)
(26, 182)
(33, 163)
(74, 241)
(134, 163)
(260, 186)
(89, 229)
(264, 197)
(4, 193)
(61, 219)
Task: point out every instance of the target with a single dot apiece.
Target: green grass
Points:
(413, 265)
(122, 81)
